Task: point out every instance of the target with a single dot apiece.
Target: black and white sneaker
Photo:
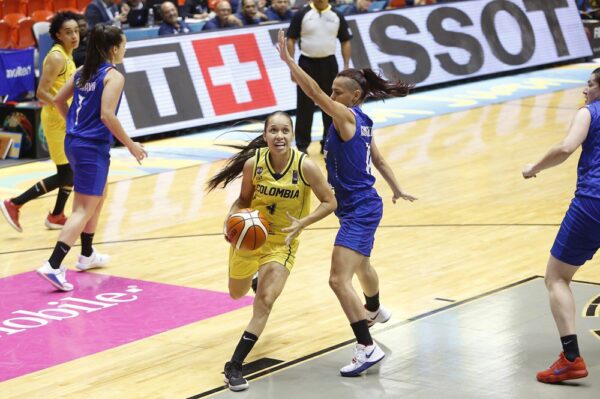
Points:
(234, 378)
(381, 315)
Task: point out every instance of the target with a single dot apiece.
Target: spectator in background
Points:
(421, 2)
(262, 5)
(249, 14)
(171, 24)
(224, 18)
(235, 5)
(359, 7)
(196, 9)
(279, 11)
(101, 12)
(317, 28)
(156, 4)
(137, 13)
(79, 52)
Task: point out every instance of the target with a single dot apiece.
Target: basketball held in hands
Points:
(247, 229)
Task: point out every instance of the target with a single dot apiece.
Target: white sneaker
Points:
(381, 315)
(364, 357)
(56, 277)
(90, 262)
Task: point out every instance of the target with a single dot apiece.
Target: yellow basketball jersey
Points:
(275, 194)
(67, 71)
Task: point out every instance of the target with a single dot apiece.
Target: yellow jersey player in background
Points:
(58, 67)
(277, 180)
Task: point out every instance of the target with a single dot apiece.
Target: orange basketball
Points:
(247, 229)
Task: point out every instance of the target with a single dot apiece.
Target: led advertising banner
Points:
(179, 82)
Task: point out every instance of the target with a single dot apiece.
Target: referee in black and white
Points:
(317, 27)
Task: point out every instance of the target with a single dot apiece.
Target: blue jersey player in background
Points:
(92, 121)
(578, 238)
(349, 151)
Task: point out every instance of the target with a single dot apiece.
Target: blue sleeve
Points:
(164, 30)
(211, 24)
(93, 15)
(272, 15)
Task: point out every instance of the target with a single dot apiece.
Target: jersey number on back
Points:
(80, 97)
(368, 157)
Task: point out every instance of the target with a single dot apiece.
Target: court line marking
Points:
(332, 348)
(20, 251)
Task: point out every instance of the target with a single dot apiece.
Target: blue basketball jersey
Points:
(83, 118)
(349, 163)
(588, 169)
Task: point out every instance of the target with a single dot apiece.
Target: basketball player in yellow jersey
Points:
(277, 180)
(58, 67)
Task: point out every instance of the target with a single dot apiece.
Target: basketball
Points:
(247, 229)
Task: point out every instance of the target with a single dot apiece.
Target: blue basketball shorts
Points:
(90, 161)
(578, 238)
(359, 220)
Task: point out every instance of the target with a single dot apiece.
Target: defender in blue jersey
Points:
(92, 120)
(578, 238)
(349, 151)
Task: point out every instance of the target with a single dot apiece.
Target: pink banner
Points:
(40, 328)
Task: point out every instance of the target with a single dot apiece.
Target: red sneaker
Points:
(11, 213)
(55, 222)
(563, 369)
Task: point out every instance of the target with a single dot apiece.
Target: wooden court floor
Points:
(478, 225)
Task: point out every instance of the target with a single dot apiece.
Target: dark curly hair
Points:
(58, 20)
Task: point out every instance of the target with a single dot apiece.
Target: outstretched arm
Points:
(388, 174)
(559, 153)
(343, 118)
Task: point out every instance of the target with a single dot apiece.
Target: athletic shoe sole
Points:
(236, 388)
(55, 283)
(53, 226)
(362, 369)
(571, 375)
(8, 218)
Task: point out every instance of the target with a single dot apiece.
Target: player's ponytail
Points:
(234, 167)
(102, 39)
(374, 86)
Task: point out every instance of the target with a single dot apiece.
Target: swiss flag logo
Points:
(234, 73)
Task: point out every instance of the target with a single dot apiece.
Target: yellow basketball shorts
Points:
(244, 264)
(55, 128)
